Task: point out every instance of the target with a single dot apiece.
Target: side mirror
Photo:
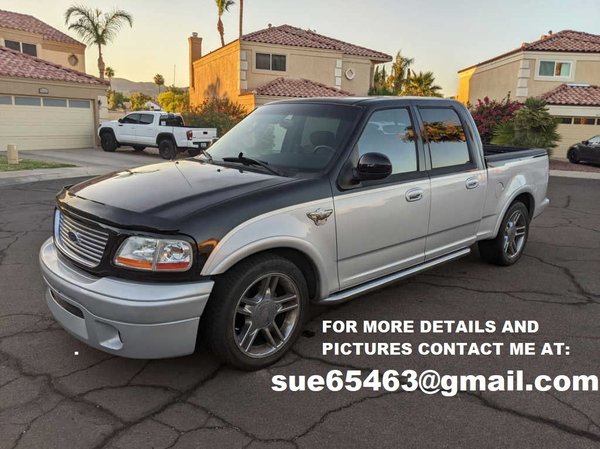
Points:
(586, 142)
(373, 166)
(120, 120)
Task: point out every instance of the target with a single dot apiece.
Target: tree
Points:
(400, 72)
(138, 101)
(531, 126)
(489, 113)
(174, 100)
(116, 100)
(380, 86)
(241, 17)
(222, 6)
(421, 84)
(96, 28)
(109, 72)
(159, 80)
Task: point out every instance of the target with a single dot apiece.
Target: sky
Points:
(442, 36)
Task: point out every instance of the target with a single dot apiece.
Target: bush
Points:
(220, 113)
(138, 101)
(531, 126)
(489, 113)
(174, 100)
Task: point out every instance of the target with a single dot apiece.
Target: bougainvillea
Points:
(489, 113)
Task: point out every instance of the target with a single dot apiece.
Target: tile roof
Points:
(297, 37)
(19, 65)
(302, 88)
(25, 22)
(574, 95)
(563, 41)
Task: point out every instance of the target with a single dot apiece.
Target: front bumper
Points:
(125, 318)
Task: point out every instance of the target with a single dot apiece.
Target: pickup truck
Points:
(155, 129)
(308, 200)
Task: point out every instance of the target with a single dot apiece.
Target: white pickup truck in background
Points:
(160, 129)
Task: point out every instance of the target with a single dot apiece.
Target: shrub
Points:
(220, 113)
(531, 126)
(139, 100)
(174, 100)
(489, 113)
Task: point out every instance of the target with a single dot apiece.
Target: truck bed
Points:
(496, 154)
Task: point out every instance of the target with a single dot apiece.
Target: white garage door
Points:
(35, 123)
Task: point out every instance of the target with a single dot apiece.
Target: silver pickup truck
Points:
(315, 200)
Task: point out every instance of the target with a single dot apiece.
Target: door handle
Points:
(472, 183)
(414, 195)
(119, 125)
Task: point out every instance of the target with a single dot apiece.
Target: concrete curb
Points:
(575, 174)
(27, 176)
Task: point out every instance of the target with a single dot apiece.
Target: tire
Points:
(194, 152)
(508, 246)
(573, 156)
(167, 149)
(108, 141)
(272, 324)
(139, 147)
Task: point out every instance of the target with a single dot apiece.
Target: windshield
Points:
(296, 137)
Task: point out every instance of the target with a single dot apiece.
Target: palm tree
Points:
(241, 17)
(222, 6)
(109, 72)
(96, 27)
(400, 72)
(422, 85)
(159, 80)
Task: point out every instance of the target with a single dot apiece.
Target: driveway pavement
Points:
(56, 392)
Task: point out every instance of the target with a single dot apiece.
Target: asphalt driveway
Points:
(56, 392)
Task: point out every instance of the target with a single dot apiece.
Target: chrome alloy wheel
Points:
(514, 234)
(266, 315)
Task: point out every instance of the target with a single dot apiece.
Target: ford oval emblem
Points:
(73, 237)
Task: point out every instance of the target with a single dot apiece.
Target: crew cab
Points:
(155, 129)
(311, 200)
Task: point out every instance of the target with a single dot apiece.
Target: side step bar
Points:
(346, 295)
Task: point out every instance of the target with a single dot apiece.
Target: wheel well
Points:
(162, 137)
(106, 130)
(301, 260)
(528, 201)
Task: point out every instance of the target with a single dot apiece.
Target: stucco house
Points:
(280, 62)
(563, 68)
(47, 100)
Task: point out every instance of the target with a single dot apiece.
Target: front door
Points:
(145, 131)
(126, 128)
(458, 182)
(382, 225)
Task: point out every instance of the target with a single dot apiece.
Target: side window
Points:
(146, 119)
(446, 137)
(391, 132)
(132, 119)
(595, 140)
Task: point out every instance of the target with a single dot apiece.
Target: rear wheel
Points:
(508, 246)
(256, 311)
(573, 156)
(167, 149)
(108, 141)
(139, 147)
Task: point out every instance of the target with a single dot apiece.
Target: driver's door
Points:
(127, 127)
(382, 225)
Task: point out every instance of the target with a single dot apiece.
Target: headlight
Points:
(144, 253)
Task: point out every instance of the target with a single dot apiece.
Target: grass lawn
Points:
(28, 164)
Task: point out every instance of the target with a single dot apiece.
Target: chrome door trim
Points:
(350, 293)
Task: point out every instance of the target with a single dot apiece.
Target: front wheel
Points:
(108, 141)
(509, 244)
(573, 156)
(167, 149)
(256, 311)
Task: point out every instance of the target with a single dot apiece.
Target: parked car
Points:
(303, 201)
(155, 129)
(586, 151)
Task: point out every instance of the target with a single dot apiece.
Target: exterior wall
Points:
(464, 83)
(363, 75)
(248, 101)
(495, 80)
(56, 89)
(217, 75)
(55, 52)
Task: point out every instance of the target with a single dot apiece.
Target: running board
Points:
(346, 295)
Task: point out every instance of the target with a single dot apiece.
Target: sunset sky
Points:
(442, 36)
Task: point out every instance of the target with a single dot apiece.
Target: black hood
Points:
(161, 196)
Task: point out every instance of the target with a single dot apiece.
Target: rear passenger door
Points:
(458, 181)
(382, 225)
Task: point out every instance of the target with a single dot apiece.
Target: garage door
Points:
(35, 123)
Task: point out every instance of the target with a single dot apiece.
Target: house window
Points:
(28, 101)
(584, 121)
(555, 69)
(5, 99)
(565, 120)
(266, 61)
(84, 104)
(22, 47)
(55, 102)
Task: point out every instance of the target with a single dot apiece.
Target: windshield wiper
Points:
(249, 161)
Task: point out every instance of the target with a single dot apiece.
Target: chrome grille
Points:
(80, 242)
